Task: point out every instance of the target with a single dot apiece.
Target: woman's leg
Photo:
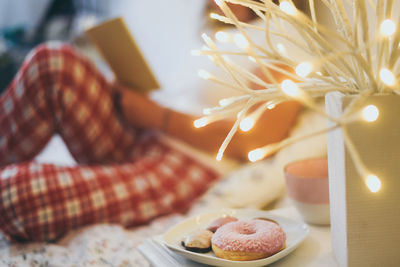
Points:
(41, 202)
(58, 90)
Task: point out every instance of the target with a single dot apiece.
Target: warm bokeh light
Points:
(370, 113)
(215, 16)
(206, 38)
(204, 74)
(224, 102)
(281, 48)
(252, 59)
(290, 88)
(218, 2)
(200, 122)
(373, 183)
(241, 41)
(303, 69)
(256, 154)
(219, 156)
(247, 124)
(206, 111)
(387, 77)
(287, 7)
(223, 37)
(388, 27)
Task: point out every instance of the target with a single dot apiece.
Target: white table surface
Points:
(315, 251)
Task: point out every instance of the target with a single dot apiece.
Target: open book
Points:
(117, 46)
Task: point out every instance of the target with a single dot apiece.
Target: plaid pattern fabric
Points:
(124, 177)
(58, 90)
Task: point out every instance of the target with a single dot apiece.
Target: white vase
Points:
(365, 226)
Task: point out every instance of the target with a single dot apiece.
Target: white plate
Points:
(296, 232)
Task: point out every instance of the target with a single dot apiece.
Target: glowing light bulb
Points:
(373, 183)
(387, 77)
(206, 38)
(200, 122)
(224, 102)
(219, 155)
(252, 59)
(206, 111)
(222, 37)
(388, 27)
(256, 154)
(214, 15)
(218, 2)
(241, 41)
(281, 48)
(246, 124)
(370, 113)
(303, 69)
(288, 8)
(290, 88)
(204, 74)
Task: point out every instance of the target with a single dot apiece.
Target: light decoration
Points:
(204, 74)
(303, 69)
(223, 37)
(281, 48)
(200, 122)
(290, 88)
(288, 7)
(241, 41)
(358, 57)
(247, 124)
(387, 77)
(388, 27)
(370, 113)
(373, 183)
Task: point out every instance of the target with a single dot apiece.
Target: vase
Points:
(365, 225)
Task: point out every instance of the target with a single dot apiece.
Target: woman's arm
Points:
(273, 126)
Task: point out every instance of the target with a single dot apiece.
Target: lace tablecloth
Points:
(98, 245)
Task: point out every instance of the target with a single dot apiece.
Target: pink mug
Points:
(308, 187)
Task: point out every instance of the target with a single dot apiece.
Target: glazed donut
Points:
(246, 240)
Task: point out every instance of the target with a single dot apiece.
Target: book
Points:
(119, 49)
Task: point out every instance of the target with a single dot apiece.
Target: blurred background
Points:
(166, 31)
(25, 23)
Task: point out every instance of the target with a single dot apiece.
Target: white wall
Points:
(21, 12)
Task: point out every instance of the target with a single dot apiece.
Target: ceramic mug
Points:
(308, 187)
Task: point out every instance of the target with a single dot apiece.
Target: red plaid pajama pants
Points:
(124, 176)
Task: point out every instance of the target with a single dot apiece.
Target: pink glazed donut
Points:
(246, 240)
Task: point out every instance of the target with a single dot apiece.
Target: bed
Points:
(253, 185)
(257, 185)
